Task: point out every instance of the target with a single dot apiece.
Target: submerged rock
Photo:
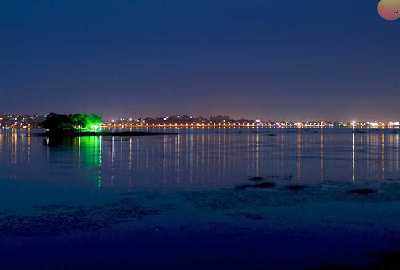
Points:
(256, 179)
(264, 185)
(392, 179)
(362, 191)
(296, 187)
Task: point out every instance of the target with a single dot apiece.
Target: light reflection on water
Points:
(200, 158)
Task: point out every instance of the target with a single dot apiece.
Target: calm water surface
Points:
(192, 159)
(189, 180)
(206, 158)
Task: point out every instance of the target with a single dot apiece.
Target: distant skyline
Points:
(255, 59)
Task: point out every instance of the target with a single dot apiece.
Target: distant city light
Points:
(189, 121)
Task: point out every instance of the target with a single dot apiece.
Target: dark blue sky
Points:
(265, 59)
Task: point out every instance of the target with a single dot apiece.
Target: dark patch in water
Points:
(296, 187)
(362, 191)
(387, 260)
(256, 179)
(264, 185)
(58, 219)
(392, 179)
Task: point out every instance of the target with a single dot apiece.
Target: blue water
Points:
(200, 158)
(189, 181)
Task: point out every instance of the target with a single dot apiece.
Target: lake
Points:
(184, 187)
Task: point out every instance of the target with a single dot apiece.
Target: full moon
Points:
(389, 9)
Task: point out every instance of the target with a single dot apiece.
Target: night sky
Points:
(268, 59)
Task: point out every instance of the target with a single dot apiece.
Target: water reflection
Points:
(322, 155)
(80, 154)
(208, 158)
(354, 159)
(299, 145)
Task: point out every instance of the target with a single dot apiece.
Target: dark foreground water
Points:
(178, 201)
